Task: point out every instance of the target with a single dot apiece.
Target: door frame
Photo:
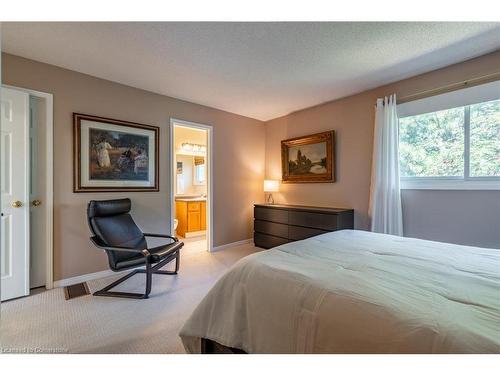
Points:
(210, 169)
(49, 196)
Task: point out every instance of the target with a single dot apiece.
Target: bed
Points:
(353, 292)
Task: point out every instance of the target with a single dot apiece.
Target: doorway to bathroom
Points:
(191, 185)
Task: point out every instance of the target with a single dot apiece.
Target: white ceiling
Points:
(260, 70)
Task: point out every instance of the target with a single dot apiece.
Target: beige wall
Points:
(238, 158)
(352, 118)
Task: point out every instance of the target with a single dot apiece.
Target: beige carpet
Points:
(47, 322)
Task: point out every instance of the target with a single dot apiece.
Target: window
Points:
(432, 144)
(199, 175)
(450, 148)
(485, 139)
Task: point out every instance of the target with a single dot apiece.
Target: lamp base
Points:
(270, 199)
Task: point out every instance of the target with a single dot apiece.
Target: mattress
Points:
(355, 292)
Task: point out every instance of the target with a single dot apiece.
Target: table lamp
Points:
(271, 186)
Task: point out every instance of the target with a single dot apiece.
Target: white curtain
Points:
(385, 196)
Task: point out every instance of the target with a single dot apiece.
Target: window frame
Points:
(467, 182)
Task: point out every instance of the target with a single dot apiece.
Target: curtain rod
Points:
(451, 87)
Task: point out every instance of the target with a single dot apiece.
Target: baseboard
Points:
(232, 244)
(87, 277)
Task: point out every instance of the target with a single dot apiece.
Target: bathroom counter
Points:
(196, 199)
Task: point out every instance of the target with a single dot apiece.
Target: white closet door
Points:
(14, 116)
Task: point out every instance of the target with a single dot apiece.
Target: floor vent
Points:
(77, 290)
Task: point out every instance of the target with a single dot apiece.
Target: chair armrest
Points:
(161, 235)
(101, 245)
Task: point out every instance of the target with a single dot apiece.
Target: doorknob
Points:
(36, 203)
(17, 204)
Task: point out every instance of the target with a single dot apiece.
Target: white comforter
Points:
(355, 292)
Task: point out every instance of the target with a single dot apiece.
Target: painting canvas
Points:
(309, 158)
(114, 155)
(117, 156)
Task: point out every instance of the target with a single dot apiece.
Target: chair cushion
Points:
(157, 254)
(135, 261)
(119, 230)
(109, 207)
(111, 221)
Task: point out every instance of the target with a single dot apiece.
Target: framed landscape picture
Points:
(114, 155)
(309, 159)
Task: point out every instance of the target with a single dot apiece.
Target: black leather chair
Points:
(114, 231)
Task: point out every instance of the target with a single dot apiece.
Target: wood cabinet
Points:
(276, 225)
(191, 216)
(203, 212)
(193, 221)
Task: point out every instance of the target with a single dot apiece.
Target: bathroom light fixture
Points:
(271, 186)
(193, 147)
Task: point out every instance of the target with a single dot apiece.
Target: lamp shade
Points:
(271, 186)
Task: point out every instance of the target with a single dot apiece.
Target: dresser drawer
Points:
(301, 233)
(267, 241)
(326, 222)
(278, 224)
(271, 214)
(267, 227)
(194, 206)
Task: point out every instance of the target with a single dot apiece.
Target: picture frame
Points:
(309, 158)
(113, 155)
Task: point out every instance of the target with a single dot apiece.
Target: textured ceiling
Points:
(260, 70)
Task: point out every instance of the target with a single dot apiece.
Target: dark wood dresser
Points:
(277, 224)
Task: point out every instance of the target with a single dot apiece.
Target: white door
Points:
(14, 116)
(38, 190)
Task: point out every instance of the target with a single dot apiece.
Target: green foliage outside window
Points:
(485, 139)
(432, 144)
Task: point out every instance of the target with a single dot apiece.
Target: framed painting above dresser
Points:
(309, 158)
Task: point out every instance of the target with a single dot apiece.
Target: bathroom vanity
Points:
(191, 213)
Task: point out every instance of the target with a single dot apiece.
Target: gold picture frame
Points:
(309, 158)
